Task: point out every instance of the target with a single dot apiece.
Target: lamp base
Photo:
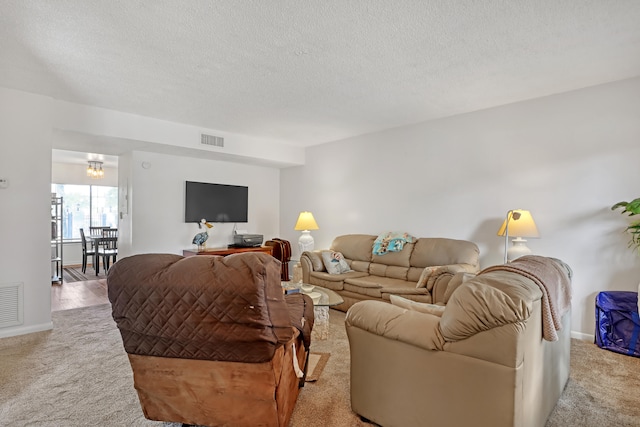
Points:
(305, 242)
(518, 249)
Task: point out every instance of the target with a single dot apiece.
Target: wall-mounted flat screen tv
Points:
(215, 202)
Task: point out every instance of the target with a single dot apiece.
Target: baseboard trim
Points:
(581, 336)
(12, 332)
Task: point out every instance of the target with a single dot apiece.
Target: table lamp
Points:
(518, 223)
(305, 223)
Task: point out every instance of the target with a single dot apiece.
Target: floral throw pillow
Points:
(334, 262)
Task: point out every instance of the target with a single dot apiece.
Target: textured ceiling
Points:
(308, 72)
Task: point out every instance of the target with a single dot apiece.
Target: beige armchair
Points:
(481, 360)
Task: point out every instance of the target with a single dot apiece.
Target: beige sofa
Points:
(376, 277)
(481, 360)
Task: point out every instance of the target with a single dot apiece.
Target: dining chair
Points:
(87, 251)
(95, 230)
(108, 247)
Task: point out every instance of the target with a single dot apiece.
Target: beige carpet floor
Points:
(79, 375)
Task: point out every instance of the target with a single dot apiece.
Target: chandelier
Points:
(94, 170)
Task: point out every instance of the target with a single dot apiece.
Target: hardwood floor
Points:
(78, 294)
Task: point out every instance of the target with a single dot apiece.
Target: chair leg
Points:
(106, 262)
(84, 263)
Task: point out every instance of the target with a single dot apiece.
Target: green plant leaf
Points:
(632, 207)
(619, 205)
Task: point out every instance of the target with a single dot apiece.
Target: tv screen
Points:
(215, 202)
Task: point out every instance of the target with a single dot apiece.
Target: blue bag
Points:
(617, 322)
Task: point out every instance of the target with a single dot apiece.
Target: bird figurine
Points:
(200, 238)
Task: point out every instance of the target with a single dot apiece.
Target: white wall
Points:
(90, 120)
(155, 219)
(566, 158)
(154, 212)
(65, 173)
(25, 207)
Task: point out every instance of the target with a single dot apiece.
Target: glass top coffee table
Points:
(327, 298)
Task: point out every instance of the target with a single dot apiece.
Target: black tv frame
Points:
(215, 202)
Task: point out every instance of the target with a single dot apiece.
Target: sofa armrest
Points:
(396, 323)
(310, 261)
(439, 280)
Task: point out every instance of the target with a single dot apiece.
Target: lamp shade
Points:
(521, 224)
(306, 222)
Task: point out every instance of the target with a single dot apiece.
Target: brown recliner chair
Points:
(211, 340)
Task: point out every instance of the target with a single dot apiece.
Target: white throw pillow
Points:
(421, 307)
(334, 262)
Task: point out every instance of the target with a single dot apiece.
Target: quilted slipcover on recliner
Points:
(229, 317)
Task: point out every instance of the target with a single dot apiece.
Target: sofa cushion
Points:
(359, 265)
(377, 285)
(440, 251)
(414, 273)
(408, 304)
(371, 291)
(354, 246)
(393, 271)
(396, 258)
(334, 262)
(334, 282)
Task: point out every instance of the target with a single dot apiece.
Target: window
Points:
(86, 205)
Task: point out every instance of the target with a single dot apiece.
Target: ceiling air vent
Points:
(216, 141)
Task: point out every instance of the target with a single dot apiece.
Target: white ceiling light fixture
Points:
(94, 170)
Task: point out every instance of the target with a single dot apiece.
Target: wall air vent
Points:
(216, 141)
(10, 304)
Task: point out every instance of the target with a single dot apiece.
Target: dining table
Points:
(98, 239)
